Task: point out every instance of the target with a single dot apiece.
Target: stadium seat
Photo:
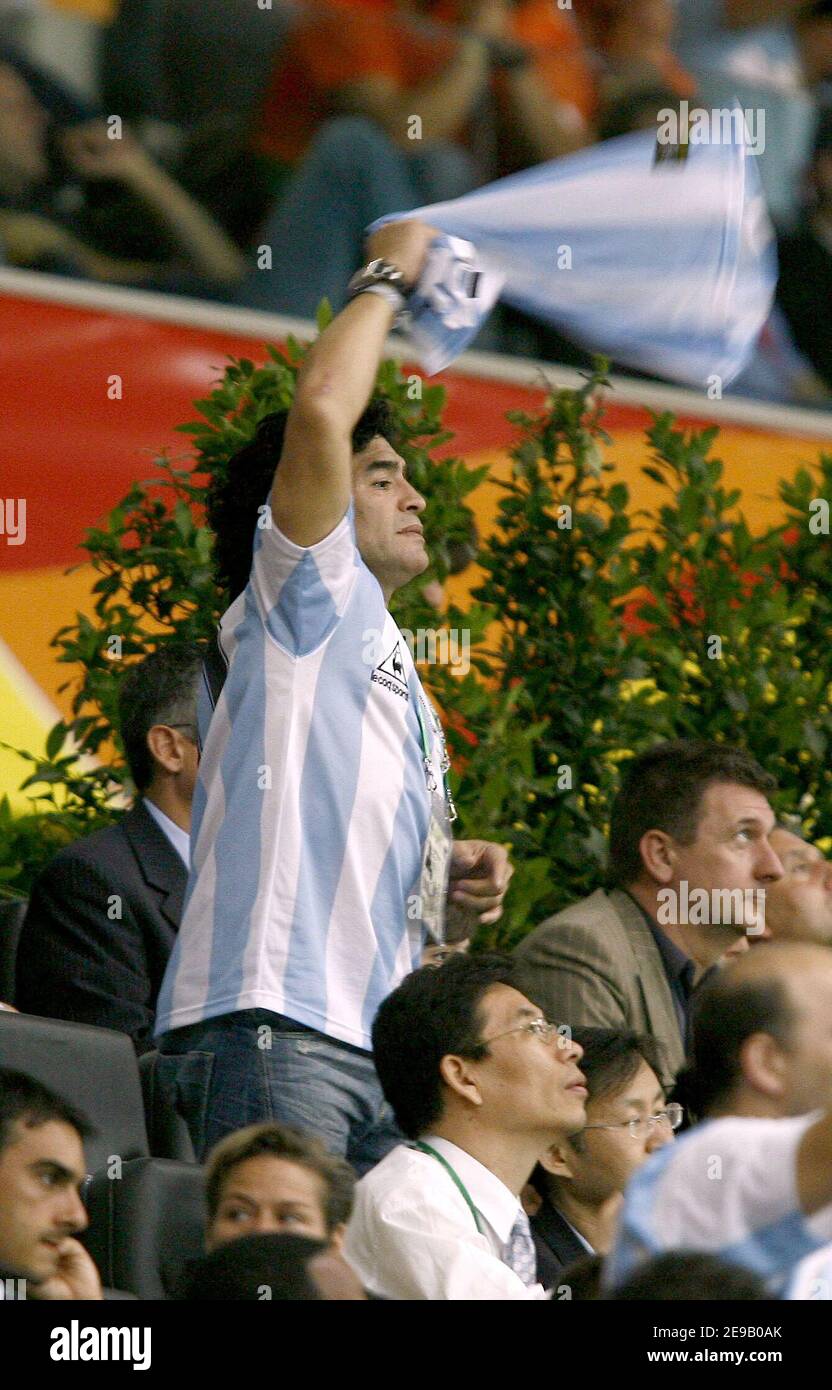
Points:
(146, 1225)
(166, 1129)
(12, 912)
(94, 1069)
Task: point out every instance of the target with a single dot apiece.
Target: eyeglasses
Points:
(670, 1118)
(538, 1027)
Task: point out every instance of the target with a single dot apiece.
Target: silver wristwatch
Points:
(382, 278)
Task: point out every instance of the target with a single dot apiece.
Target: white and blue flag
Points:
(667, 266)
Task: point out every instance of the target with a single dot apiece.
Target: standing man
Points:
(322, 844)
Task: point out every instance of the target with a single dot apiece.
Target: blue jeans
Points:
(253, 1066)
(352, 174)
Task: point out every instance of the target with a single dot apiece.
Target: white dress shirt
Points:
(179, 838)
(412, 1235)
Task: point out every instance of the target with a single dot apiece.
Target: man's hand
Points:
(28, 238)
(404, 244)
(94, 155)
(76, 1276)
(480, 875)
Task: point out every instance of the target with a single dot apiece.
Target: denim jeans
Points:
(253, 1066)
(352, 174)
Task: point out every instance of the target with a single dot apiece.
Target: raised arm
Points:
(200, 238)
(313, 482)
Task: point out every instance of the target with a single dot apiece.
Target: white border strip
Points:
(200, 313)
(31, 694)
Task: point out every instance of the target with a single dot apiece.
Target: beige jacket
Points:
(596, 964)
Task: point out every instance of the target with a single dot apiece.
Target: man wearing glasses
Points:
(481, 1083)
(582, 1179)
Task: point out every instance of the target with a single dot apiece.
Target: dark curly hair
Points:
(235, 497)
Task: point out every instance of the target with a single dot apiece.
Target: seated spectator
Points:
(760, 1039)
(691, 819)
(42, 1168)
(481, 1084)
(806, 261)
(104, 913)
(772, 57)
(582, 1179)
(799, 905)
(38, 234)
(270, 1179)
(494, 87)
(750, 39)
(273, 1267)
(690, 1276)
(752, 1185)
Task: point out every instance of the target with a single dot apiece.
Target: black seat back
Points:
(146, 1226)
(95, 1069)
(12, 912)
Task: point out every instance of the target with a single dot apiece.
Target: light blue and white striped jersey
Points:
(726, 1188)
(812, 1279)
(311, 809)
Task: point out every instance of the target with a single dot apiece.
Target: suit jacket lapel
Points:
(551, 1228)
(161, 866)
(653, 983)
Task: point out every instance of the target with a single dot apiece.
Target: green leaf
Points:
(55, 740)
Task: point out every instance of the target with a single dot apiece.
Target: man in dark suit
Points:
(689, 862)
(103, 915)
(581, 1180)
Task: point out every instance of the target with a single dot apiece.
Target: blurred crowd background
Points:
(258, 138)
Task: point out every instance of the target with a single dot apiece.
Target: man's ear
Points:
(556, 1160)
(165, 748)
(763, 1064)
(459, 1076)
(657, 855)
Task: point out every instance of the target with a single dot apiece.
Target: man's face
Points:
(41, 1171)
(22, 132)
(529, 1083)
(799, 905)
(267, 1195)
(807, 1061)
(731, 850)
(602, 1162)
(387, 511)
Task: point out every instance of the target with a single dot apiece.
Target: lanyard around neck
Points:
(427, 745)
(426, 1149)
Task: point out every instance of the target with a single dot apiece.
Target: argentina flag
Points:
(665, 264)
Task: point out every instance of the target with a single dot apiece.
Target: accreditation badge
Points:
(435, 876)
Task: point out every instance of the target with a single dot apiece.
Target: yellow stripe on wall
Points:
(26, 716)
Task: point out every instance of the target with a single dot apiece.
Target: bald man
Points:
(762, 1034)
(752, 1183)
(799, 905)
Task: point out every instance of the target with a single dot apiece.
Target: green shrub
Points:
(617, 628)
